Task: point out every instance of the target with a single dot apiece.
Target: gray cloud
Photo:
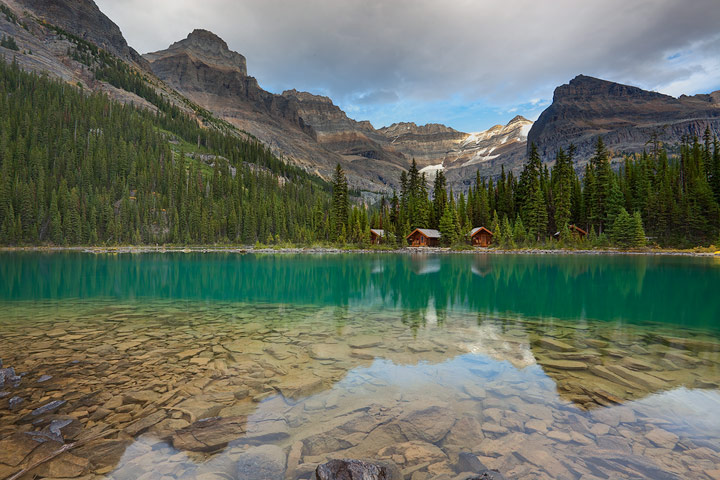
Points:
(500, 53)
(377, 97)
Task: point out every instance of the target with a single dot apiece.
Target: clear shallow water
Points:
(540, 366)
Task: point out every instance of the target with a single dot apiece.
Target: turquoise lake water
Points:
(189, 365)
(634, 288)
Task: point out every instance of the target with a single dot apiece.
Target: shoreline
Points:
(336, 250)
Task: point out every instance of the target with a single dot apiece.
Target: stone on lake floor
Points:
(357, 470)
(467, 462)
(648, 381)
(104, 453)
(564, 364)
(553, 344)
(66, 465)
(142, 396)
(365, 341)
(209, 434)
(322, 443)
(637, 364)
(690, 343)
(662, 438)
(413, 453)
(429, 424)
(300, 387)
(16, 447)
(465, 432)
(263, 462)
(142, 424)
(50, 407)
(15, 402)
(329, 351)
(274, 430)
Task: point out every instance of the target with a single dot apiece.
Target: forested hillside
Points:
(78, 168)
(674, 201)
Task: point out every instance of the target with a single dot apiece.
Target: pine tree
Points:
(55, 221)
(495, 228)
(519, 233)
(638, 235)
(439, 198)
(506, 233)
(340, 205)
(622, 230)
(562, 181)
(448, 226)
(603, 208)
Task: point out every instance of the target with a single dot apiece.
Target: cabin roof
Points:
(378, 231)
(476, 230)
(428, 232)
(572, 227)
(578, 229)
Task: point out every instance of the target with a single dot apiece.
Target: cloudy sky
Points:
(467, 64)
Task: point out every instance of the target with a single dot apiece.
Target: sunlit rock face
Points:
(488, 152)
(625, 116)
(208, 48)
(427, 144)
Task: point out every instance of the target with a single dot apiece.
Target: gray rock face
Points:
(357, 470)
(623, 115)
(261, 463)
(207, 47)
(307, 128)
(84, 19)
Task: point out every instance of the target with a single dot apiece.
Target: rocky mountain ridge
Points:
(84, 19)
(314, 133)
(625, 116)
(310, 129)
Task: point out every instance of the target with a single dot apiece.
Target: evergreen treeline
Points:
(82, 169)
(78, 168)
(674, 201)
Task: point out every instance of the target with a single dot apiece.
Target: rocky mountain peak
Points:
(518, 119)
(624, 115)
(305, 96)
(206, 47)
(584, 86)
(411, 128)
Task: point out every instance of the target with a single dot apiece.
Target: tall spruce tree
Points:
(439, 198)
(340, 202)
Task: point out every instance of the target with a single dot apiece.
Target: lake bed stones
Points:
(357, 470)
(261, 463)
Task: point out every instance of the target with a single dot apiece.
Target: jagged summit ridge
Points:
(306, 96)
(207, 47)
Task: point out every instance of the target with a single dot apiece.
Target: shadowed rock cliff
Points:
(623, 115)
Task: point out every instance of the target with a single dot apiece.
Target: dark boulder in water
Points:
(357, 470)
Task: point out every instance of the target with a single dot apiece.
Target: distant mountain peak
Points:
(207, 47)
(306, 96)
(518, 118)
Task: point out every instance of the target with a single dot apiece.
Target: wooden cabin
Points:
(480, 237)
(377, 236)
(577, 232)
(423, 237)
